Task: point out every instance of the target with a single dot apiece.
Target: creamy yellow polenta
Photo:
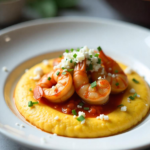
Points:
(42, 116)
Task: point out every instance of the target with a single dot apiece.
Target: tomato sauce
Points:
(94, 110)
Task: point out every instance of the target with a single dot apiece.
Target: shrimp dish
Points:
(84, 93)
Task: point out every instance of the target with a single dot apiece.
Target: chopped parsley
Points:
(67, 51)
(63, 68)
(120, 105)
(99, 48)
(30, 103)
(134, 80)
(116, 71)
(133, 97)
(75, 55)
(99, 61)
(57, 73)
(81, 118)
(74, 112)
(30, 89)
(78, 49)
(71, 61)
(49, 78)
(86, 108)
(117, 84)
(96, 55)
(94, 84)
(89, 59)
(60, 56)
(64, 73)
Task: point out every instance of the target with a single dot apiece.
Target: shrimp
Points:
(57, 61)
(113, 74)
(55, 86)
(96, 95)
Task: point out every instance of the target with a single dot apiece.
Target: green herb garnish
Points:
(72, 50)
(49, 78)
(99, 48)
(60, 56)
(91, 56)
(75, 55)
(71, 61)
(96, 55)
(99, 61)
(93, 84)
(64, 73)
(117, 84)
(81, 104)
(86, 108)
(78, 49)
(81, 118)
(57, 73)
(69, 70)
(90, 67)
(67, 51)
(30, 103)
(120, 105)
(30, 89)
(74, 112)
(116, 71)
(134, 80)
(133, 97)
(63, 68)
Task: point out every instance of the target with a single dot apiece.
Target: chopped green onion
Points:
(120, 105)
(67, 51)
(74, 112)
(64, 73)
(81, 118)
(63, 68)
(91, 56)
(99, 61)
(49, 78)
(71, 49)
(30, 89)
(78, 49)
(57, 73)
(133, 97)
(81, 104)
(117, 84)
(99, 48)
(71, 61)
(69, 70)
(30, 103)
(134, 80)
(96, 55)
(86, 108)
(93, 84)
(116, 71)
(75, 55)
(90, 67)
(89, 59)
(75, 63)
(60, 56)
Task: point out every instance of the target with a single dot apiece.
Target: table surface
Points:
(90, 8)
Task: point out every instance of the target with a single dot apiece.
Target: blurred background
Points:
(16, 11)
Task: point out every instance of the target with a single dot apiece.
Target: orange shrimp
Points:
(57, 61)
(93, 95)
(55, 86)
(113, 74)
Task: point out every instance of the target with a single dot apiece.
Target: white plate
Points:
(20, 46)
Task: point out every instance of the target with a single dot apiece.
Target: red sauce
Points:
(94, 110)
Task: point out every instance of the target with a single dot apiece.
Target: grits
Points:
(43, 116)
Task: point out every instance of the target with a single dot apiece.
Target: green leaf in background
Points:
(46, 8)
(66, 3)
